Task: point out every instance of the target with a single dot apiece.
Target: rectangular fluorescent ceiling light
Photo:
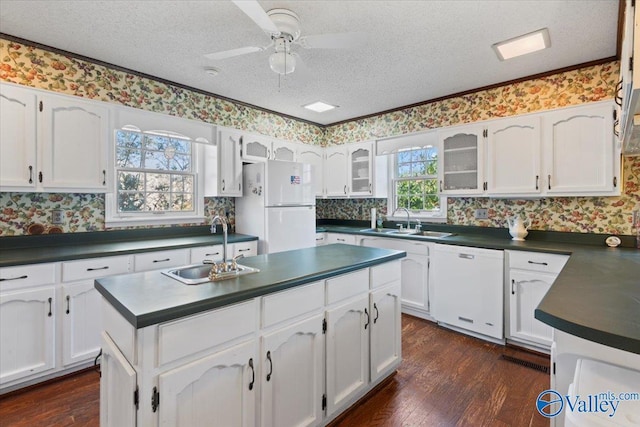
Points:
(522, 45)
(319, 107)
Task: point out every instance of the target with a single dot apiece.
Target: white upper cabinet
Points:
(335, 171)
(513, 156)
(52, 142)
(17, 138)
(580, 152)
(229, 163)
(313, 155)
(360, 170)
(462, 160)
(255, 148)
(283, 150)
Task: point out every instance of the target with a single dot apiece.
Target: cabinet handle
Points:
(13, 278)
(464, 319)
(269, 154)
(30, 174)
(341, 240)
(239, 186)
(366, 313)
(549, 181)
(50, 301)
(345, 189)
(106, 267)
(466, 256)
(40, 176)
(537, 263)
(68, 303)
(440, 185)
(370, 188)
(537, 179)
(319, 239)
(270, 366)
(162, 260)
(104, 177)
(216, 253)
(513, 283)
(223, 185)
(375, 307)
(244, 250)
(253, 374)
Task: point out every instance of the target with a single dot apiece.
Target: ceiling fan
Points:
(283, 27)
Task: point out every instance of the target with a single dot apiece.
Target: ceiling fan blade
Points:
(257, 14)
(233, 52)
(334, 41)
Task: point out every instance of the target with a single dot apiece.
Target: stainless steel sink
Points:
(435, 234)
(199, 273)
(389, 231)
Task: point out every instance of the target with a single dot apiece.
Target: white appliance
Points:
(277, 205)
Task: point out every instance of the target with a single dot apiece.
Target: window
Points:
(415, 183)
(154, 173)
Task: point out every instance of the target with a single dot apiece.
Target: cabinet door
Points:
(415, 281)
(27, 331)
(74, 144)
(219, 389)
(17, 138)
(118, 384)
(360, 168)
(461, 167)
(82, 322)
(255, 148)
(385, 330)
(313, 156)
(347, 352)
(283, 150)
(526, 290)
(579, 150)
(229, 164)
(321, 239)
(513, 156)
(335, 172)
(293, 375)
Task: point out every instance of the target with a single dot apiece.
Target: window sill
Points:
(152, 222)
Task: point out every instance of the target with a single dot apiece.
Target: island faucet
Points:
(407, 212)
(223, 222)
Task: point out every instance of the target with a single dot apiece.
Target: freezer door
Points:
(289, 184)
(290, 228)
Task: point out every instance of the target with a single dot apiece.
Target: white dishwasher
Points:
(468, 288)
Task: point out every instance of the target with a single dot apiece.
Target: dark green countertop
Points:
(149, 298)
(596, 296)
(23, 250)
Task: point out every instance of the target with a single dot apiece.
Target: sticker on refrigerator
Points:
(295, 180)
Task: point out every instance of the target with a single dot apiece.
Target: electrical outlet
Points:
(57, 216)
(481, 214)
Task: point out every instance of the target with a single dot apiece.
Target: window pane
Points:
(415, 202)
(181, 162)
(156, 142)
(131, 181)
(158, 182)
(128, 139)
(128, 158)
(156, 160)
(403, 202)
(181, 183)
(181, 146)
(157, 202)
(432, 203)
(431, 186)
(130, 202)
(432, 168)
(182, 202)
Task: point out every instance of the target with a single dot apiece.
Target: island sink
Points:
(201, 273)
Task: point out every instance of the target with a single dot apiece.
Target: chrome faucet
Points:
(223, 222)
(407, 212)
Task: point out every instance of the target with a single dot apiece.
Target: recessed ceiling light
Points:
(522, 45)
(319, 106)
(212, 71)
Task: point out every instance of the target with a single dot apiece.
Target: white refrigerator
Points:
(277, 205)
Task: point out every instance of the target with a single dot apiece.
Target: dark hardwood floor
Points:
(446, 379)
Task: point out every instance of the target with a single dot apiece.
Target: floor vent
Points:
(526, 363)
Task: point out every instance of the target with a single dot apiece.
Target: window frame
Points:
(432, 216)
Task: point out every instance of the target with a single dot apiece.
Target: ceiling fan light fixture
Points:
(522, 45)
(282, 63)
(319, 106)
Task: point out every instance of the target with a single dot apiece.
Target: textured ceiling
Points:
(417, 50)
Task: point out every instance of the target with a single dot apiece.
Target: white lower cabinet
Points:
(531, 275)
(27, 333)
(347, 351)
(385, 330)
(218, 389)
(118, 387)
(292, 377)
(81, 322)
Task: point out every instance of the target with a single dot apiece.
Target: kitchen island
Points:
(295, 344)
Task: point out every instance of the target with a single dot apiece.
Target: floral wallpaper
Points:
(34, 67)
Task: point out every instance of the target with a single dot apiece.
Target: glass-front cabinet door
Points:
(461, 168)
(360, 170)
